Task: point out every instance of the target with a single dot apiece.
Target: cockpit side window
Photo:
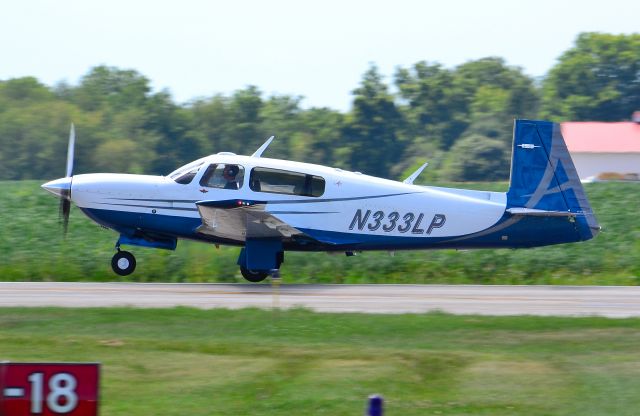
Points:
(185, 176)
(223, 176)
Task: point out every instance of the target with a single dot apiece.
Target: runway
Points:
(608, 301)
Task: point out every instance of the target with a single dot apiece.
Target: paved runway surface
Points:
(486, 300)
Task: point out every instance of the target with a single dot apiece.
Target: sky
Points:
(315, 49)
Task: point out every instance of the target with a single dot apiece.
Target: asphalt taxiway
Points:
(608, 301)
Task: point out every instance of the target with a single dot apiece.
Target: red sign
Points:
(49, 389)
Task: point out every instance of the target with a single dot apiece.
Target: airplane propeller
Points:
(65, 200)
(62, 187)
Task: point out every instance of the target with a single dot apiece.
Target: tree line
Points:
(459, 119)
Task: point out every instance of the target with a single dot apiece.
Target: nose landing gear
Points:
(123, 262)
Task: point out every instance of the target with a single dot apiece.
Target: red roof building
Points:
(599, 148)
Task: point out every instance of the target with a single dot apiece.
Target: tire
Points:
(123, 263)
(254, 276)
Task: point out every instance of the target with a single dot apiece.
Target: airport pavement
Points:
(609, 301)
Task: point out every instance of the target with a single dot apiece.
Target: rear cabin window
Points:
(223, 176)
(278, 181)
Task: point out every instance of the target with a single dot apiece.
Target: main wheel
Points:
(123, 263)
(254, 276)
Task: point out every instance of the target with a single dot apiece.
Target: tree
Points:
(320, 139)
(243, 128)
(597, 79)
(111, 88)
(371, 130)
(476, 158)
(521, 100)
(176, 142)
(210, 121)
(280, 117)
(25, 90)
(33, 140)
(435, 110)
(442, 104)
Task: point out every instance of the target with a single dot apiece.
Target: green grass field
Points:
(268, 362)
(262, 362)
(33, 249)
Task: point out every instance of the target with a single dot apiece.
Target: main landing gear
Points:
(254, 276)
(260, 258)
(123, 263)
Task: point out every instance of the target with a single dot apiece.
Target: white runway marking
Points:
(609, 301)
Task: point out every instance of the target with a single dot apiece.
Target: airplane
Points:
(269, 206)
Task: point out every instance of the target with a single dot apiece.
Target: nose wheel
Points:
(123, 263)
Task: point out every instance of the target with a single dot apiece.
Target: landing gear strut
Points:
(123, 263)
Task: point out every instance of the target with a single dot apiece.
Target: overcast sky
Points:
(319, 50)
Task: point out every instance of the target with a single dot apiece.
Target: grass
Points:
(256, 362)
(33, 249)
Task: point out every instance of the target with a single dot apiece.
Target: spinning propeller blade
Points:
(70, 150)
(62, 187)
(65, 209)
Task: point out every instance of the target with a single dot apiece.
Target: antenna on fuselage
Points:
(262, 148)
(415, 174)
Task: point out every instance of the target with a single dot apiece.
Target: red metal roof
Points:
(597, 137)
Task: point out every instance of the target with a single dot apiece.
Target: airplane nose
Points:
(59, 187)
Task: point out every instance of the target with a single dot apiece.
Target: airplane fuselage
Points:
(355, 211)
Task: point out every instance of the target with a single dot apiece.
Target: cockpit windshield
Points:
(185, 174)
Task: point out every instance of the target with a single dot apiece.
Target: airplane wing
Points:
(241, 219)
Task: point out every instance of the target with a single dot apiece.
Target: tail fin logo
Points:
(558, 177)
(528, 146)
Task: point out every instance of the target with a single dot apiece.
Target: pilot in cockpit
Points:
(229, 174)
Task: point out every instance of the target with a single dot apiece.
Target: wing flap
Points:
(239, 220)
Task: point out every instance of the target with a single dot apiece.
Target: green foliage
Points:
(443, 103)
(32, 135)
(477, 157)
(111, 89)
(385, 133)
(372, 128)
(21, 91)
(118, 155)
(34, 249)
(597, 79)
(259, 362)
(435, 110)
(514, 95)
(318, 139)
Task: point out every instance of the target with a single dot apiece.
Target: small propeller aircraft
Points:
(269, 206)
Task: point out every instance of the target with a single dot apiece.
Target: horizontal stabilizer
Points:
(532, 212)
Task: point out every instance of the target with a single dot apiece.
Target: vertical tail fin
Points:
(543, 176)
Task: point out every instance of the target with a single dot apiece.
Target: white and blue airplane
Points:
(269, 206)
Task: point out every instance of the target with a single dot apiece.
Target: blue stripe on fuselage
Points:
(509, 232)
(127, 222)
